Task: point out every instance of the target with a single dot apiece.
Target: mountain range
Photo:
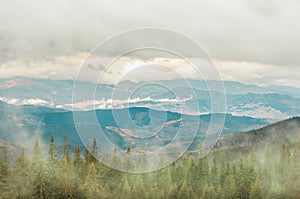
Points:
(22, 124)
(32, 108)
(269, 102)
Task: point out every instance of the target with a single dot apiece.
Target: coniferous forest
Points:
(74, 173)
(149, 99)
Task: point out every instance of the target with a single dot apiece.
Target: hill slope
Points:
(267, 139)
(283, 131)
(22, 124)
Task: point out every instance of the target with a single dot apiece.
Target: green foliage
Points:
(38, 179)
(230, 189)
(77, 161)
(209, 192)
(4, 171)
(66, 146)
(52, 151)
(185, 192)
(255, 192)
(213, 176)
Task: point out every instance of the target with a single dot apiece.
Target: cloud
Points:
(261, 31)
(62, 67)
(134, 69)
(257, 111)
(252, 41)
(258, 74)
(266, 7)
(30, 101)
(122, 103)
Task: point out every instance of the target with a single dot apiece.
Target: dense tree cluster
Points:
(80, 175)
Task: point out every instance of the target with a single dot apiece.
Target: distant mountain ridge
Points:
(44, 122)
(21, 123)
(273, 102)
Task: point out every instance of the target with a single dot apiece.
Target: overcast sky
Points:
(252, 41)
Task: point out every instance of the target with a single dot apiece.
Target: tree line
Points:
(79, 174)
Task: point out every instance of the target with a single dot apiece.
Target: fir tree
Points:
(186, 192)
(230, 188)
(255, 192)
(208, 192)
(66, 147)
(52, 151)
(20, 176)
(38, 181)
(92, 184)
(4, 171)
(77, 161)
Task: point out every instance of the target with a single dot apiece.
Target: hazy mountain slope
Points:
(274, 102)
(283, 131)
(23, 124)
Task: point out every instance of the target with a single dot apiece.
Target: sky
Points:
(250, 41)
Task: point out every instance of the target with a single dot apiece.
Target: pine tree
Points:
(20, 176)
(125, 189)
(4, 165)
(223, 172)
(52, 167)
(178, 174)
(87, 155)
(243, 180)
(92, 183)
(155, 192)
(4, 171)
(214, 170)
(52, 151)
(21, 161)
(163, 180)
(66, 182)
(204, 172)
(38, 181)
(185, 192)
(230, 188)
(208, 192)
(66, 148)
(173, 192)
(140, 188)
(255, 192)
(77, 161)
(94, 149)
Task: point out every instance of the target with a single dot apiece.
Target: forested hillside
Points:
(76, 174)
